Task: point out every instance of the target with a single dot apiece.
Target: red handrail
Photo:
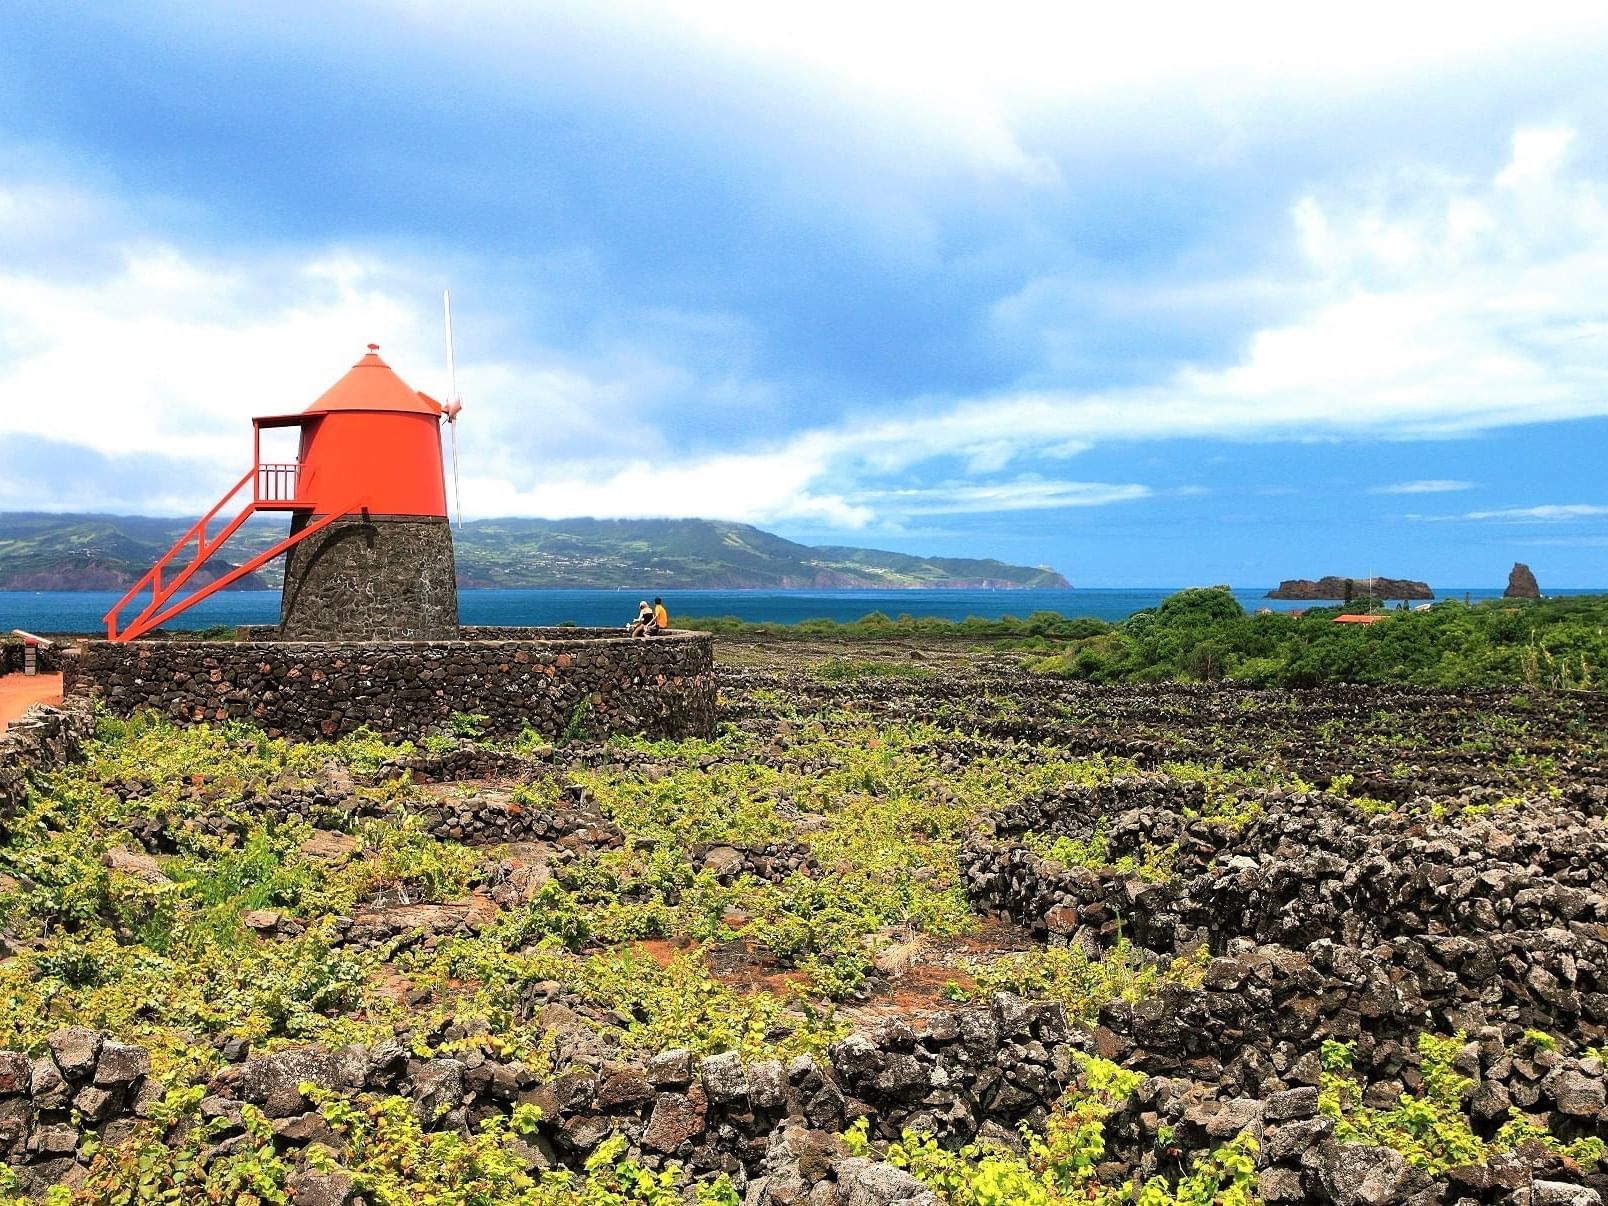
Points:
(277, 482)
(270, 483)
(143, 625)
(204, 549)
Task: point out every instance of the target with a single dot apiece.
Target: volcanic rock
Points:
(1333, 587)
(675, 1119)
(1521, 583)
(76, 1048)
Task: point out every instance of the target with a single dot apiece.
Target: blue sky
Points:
(1164, 296)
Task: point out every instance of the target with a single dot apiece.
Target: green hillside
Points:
(106, 552)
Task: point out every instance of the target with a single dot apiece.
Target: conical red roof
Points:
(371, 385)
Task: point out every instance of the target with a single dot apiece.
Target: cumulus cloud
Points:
(977, 84)
(1427, 304)
(1422, 302)
(171, 354)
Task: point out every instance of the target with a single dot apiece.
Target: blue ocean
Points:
(82, 611)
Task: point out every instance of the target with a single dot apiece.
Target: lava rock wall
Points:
(48, 658)
(773, 1126)
(41, 739)
(594, 685)
(978, 1070)
(1465, 919)
(371, 577)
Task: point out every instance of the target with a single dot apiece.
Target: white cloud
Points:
(170, 354)
(1545, 513)
(1429, 486)
(1023, 494)
(970, 78)
(747, 487)
(1427, 304)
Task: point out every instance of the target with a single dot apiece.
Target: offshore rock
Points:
(1334, 587)
(1521, 583)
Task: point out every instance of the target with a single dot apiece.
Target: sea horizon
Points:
(81, 611)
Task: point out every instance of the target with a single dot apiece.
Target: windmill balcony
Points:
(275, 488)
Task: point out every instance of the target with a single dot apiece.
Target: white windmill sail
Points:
(453, 406)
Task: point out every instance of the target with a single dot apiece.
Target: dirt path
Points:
(18, 693)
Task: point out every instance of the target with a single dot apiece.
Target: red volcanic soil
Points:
(18, 693)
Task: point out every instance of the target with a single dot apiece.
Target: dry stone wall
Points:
(48, 658)
(774, 1125)
(977, 1070)
(1331, 919)
(594, 683)
(41, 739)
(1499, 917)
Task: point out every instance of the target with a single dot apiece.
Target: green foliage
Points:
(1201, 606)
(1082, 984)
(365, 751)
(469, 724)
(842, 669)
(162, 957)
(151, 1167)
(168, 962)
(1153, 864)
(884, 827)
(392, 1159)
(577, 728)
(664, 951)
(1060, 1166)
(1204, 635)
(1431, 1128)
(675, 1004)
(1042, 629)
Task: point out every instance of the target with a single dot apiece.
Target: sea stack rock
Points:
(1521, 583)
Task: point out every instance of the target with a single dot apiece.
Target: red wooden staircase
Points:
(273, 488)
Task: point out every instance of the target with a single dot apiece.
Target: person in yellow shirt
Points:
(660, 614)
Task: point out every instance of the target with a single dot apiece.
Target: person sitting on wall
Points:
(661, 617)
(644, 625)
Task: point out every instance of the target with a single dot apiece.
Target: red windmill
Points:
(371, 548)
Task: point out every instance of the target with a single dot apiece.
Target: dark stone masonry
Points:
(371, 577)
(591, 682)
(42, 739)
(48, 657)
(974, 1072)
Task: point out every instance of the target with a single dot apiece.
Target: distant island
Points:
(1350, 588)
(111, 552)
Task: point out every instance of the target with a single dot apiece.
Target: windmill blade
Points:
(457, 497)
(454, 405)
